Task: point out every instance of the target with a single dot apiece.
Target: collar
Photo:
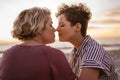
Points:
(83, 45)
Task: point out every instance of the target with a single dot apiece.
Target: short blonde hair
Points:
(30, 22)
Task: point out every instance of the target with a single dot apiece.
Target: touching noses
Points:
(58, 29)
(53, 29)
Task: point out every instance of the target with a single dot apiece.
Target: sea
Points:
(66, 47)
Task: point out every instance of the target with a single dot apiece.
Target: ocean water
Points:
(108, 44)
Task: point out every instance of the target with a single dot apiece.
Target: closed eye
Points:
(61, 25)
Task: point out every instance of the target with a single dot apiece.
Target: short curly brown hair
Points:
(76, 13)
(30, 22)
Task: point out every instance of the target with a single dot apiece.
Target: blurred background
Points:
(104, 26)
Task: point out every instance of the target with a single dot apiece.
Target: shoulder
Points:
(8, 55)
(49, 48)
(90, 46)
(54, 50)
(9, 50)
(93, 50)
(55, 55)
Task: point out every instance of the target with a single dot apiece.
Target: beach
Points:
(115, 54)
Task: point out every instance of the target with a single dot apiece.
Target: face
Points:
(48, 35)
(66, 32)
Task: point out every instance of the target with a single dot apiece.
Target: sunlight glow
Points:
(9, 11)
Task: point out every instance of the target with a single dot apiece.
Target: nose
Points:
(57, 29)
(53, 29)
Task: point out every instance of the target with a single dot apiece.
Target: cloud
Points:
(113, 11)
(98, 32)
(106, 21)
(111, 17)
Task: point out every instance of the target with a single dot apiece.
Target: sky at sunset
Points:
(106, 14)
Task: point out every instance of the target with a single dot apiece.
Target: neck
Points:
(37, 41)
(33, 42)
(77, 42)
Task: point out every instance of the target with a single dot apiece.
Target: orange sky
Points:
(105, 20)
(110, 32)
(106, 26)
(95, 32)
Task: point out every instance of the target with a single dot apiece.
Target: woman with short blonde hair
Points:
(30, 22)
(32, 59)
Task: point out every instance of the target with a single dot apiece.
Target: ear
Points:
(78, 27)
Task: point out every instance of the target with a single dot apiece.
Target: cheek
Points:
(64, 36)
(49, 38)
(67, 32)
(67, 35)
(50, 35)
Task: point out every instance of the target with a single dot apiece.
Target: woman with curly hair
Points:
(89, 60)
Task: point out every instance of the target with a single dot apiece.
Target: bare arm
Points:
(89, 74)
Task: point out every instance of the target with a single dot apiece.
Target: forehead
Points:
(62, 18)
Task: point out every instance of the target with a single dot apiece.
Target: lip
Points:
(59, 34)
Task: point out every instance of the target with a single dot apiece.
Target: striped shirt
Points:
(92, 55)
